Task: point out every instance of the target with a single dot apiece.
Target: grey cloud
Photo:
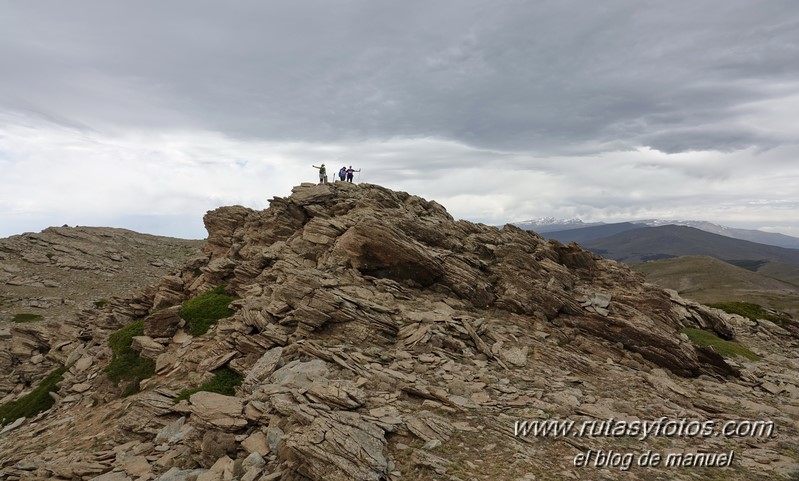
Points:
(697, 139)
(548, 77)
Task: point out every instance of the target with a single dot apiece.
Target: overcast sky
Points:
(146, 114)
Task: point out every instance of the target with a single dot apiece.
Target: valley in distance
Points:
(352, 332)
(702, 261)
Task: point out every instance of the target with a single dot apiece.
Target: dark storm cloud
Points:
(548, 77)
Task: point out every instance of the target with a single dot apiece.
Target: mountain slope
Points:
(761, 237)
(376, 338)
(62, 270)
(709, 280)
(578, 231)
(673, 241)
(594, 233)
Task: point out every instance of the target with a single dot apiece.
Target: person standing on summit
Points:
(322, 173)
(350, 172)
(342, 173)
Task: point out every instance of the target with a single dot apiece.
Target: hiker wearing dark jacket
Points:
(322, 173)
(342, 173)
(350, 172)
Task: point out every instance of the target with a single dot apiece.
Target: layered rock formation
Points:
(62, 276)
(380, 339)
(63, 270)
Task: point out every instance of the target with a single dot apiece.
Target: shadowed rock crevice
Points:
(380, 250)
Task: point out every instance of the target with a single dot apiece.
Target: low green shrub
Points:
(100, 303)
(203, 311)
(34, 402)
(27, 317)
(749, 310)
(700, 337)
(126, 365)
(225, 381)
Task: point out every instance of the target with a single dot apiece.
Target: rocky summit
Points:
(366, 335)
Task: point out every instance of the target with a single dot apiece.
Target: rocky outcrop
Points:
(63, 276)
(379, 250)
(379, 339)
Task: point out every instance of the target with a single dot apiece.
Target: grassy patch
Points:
(225, 381)
(33, 403)
(750, 310)
(701, 337)
(126, 365)
(202, 312)
(100, 303)
(748, 264)
(27, 317)
(657, 257)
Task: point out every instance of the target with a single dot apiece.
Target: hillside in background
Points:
(593, 233)
(761, 237)
(63, 270)
(640, 245)
(708, 280)
(700, 265)
(354, 333)
(575, 230)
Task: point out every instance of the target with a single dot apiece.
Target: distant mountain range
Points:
(701, 260)
(578, 231)
(771, 238)
(593, 233)
(642, 244)
(549, 224)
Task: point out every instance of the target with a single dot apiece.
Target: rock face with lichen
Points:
(380, 339)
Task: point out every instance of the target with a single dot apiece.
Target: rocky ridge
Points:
(62, 275)
(62, 270)
(380, 339)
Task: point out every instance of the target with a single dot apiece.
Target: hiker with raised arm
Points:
(350, 173)
(322, 173)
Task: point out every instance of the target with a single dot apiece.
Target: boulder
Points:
(337, 446)
(217, 410)
(380, 250)
(162, 323)
(147, 347)
(262, 369)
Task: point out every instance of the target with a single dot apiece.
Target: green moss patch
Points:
(34, 402)
(203, 311)
(100, 303)
(225, 381)
(27, 317)
(126, 365)
(750, 310)
(701, 337)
